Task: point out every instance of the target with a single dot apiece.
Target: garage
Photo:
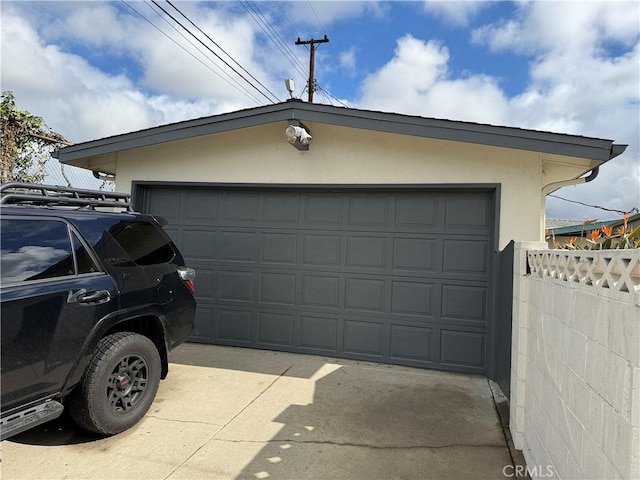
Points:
(394, 275)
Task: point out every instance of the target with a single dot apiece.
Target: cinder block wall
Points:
(575, 402)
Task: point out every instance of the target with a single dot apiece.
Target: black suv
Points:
(92, 302)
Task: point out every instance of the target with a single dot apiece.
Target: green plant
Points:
(605, 238)
(25, 143)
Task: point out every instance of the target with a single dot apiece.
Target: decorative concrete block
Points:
(551, 403)
(618, 440)
(618, 385)
(624, 331)
(597, 368)
(576, 349)
(562, 301)
(635, 399)
(557, 451)
(595, 423)
(540, 422)
(635, 453)
(593, 459)
(579, 398)
(572, 432)
(589, 310)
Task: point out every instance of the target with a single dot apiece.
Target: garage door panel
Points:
(468, 211)
(320, 249)
(413, 298)
(200, 208)
(323, 209)
(281, 208)
(165, 203)
(240, 207)
(236, 286)
(320, 291)
(275, 329)
(204, 323)
(319, 334)
(412, 343)
(416, 254)
(388, 275)
(417, 211)
(465, 257)
(278, 288)
(363, 337)
(370, 210)
(279, 248)
(238, 246)
(365, 294)
(234, 326)
(200, 244)
(464, 302)
(366, 251)
(462, 349)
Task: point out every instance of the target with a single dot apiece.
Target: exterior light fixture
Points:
(298, 135)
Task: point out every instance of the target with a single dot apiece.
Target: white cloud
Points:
(347, 61)
(317, 15)
(416, 81)
(83, 102)
(458, 13)
(99, 105)
(584, 79)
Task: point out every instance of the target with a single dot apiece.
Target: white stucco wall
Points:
(344, 155)
(340, 155)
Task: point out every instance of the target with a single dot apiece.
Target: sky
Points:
(93, 69)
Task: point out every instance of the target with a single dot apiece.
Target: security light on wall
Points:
(298, 135)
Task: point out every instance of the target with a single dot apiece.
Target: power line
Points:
(225, 52)
(329, 94)
(324, 30)
(273, 35)
(213, 52)
(621, 212)
(237, 86)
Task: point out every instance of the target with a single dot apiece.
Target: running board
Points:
(29, 418)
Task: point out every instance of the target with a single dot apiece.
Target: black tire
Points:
(118, 386)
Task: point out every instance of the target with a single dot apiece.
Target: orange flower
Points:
(595, 234)
(573, 240)
(607, 230)
(621, 230)
(626, 220)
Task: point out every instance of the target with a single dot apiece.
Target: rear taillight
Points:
(188, 275)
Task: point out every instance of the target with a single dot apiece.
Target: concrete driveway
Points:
(231, 413)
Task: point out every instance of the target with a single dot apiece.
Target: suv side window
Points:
(145, 243)
(84, 261)
(39, 249)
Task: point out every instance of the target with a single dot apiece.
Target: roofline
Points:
(583, 228)
(601, 150)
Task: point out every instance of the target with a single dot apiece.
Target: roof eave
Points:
(600, 150)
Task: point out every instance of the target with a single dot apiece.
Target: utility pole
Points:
(312, 59)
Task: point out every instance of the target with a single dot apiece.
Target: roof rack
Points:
(56, 195)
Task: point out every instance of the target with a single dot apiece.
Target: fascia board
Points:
(498, 136)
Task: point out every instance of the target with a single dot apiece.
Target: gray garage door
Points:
(393, 276)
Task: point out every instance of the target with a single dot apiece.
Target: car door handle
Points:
(97, 297)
